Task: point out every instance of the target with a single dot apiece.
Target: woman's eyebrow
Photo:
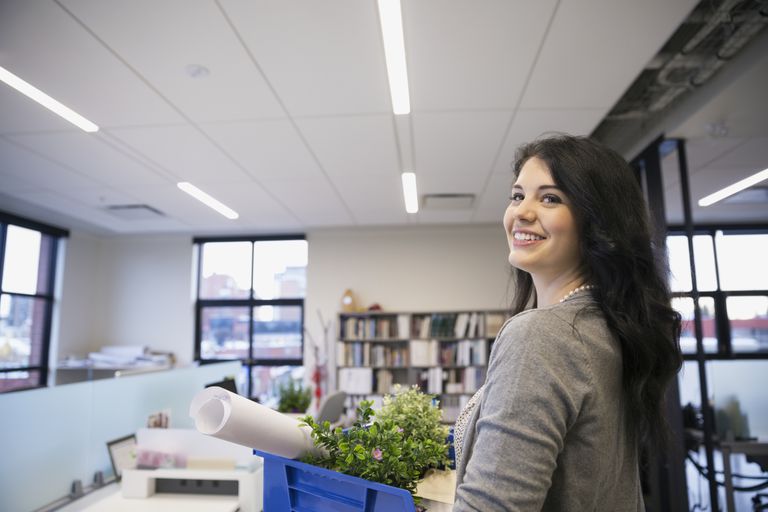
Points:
(543, 187)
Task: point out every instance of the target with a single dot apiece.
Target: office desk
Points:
(729, 447)
(110, 499)
(165, 502)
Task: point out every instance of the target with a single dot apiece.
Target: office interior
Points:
(283, 112)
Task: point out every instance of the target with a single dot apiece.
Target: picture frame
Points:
(122, 454)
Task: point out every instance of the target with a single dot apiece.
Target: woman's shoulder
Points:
(537, 329)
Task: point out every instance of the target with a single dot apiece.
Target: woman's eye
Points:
(516, 197)
(550, 199)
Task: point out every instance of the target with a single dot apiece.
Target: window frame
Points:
(720, 296)
(251, 303)
(48, 297)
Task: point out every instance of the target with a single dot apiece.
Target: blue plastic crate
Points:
(290, 485)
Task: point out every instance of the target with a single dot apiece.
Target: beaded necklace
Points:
(577, 290)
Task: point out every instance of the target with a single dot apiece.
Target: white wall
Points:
(82, 300)
(128, 290)
(406, 269)
(138, 290)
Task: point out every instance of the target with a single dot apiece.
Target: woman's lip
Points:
(525, 243)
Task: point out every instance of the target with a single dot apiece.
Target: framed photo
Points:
(122, 454)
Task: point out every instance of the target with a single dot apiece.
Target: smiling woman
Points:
(584, 363)
(541, 231)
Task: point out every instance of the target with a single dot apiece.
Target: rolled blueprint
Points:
(226, 415)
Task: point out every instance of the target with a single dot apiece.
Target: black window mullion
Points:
(251, 303)
(251, 319)
(3, 232)
(276, 362)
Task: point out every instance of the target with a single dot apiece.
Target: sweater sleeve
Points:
(538, 378)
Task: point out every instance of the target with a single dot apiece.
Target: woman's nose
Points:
(524, 211)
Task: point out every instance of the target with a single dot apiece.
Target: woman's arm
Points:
(537, 379)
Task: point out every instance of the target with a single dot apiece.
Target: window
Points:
(732, 286)
(27, 265)
(250, 307)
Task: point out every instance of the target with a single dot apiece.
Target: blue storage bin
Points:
(290, 485)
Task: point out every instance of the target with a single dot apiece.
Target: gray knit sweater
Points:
(549, 431)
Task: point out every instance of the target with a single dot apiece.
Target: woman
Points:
(576, 378)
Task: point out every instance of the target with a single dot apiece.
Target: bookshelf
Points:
(445, 353)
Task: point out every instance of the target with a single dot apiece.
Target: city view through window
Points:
(251, 303)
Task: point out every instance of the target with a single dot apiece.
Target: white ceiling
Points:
(726, 141)
(293, 126)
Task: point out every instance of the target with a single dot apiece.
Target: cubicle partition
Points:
(51, 437)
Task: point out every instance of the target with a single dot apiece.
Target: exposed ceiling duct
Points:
(714, 33)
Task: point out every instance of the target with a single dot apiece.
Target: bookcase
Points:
(444, 353)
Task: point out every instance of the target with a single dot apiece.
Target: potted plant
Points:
(394, 449)
(294, 397)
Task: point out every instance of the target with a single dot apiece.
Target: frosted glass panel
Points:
(52, 436)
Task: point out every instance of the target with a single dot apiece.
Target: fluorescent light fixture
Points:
(409, 192)
(391, 20)
(732, 189)
(51, 104)
(207, 200)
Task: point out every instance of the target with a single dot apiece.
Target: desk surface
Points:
(110, 499)
(165, 502)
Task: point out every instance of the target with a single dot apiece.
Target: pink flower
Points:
(376, 454)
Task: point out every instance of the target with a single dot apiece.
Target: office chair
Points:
(332, 407)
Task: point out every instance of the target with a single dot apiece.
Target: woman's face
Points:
(541, 230)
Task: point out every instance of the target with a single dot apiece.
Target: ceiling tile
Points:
(530, 124)
(454, 150)
(92, 155)
(752, 154)
(268, 149)
(177, 34)
(374, 199)
(323, 58)
(182, 151)
(349, 147)
(596, 48)
(315, 203)
(43, 45)
(32, 167)
(471, 55)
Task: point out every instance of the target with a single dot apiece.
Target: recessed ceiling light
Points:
(391, 19)
(43, 99)
(208, 200)
(732, 189)
(410, 194)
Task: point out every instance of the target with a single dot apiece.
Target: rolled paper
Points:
(226, 415)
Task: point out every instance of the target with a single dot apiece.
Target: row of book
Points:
(365, 354)
(433, 325)
(439, 381)
(464, 353)
(416, 353)
(380, 327)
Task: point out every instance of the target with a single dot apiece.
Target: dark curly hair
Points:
(618, 257)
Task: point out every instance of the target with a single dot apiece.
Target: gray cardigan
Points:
(549, 431)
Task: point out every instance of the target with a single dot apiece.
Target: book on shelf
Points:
(424, 352)
(445, 353)
(356, 381)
